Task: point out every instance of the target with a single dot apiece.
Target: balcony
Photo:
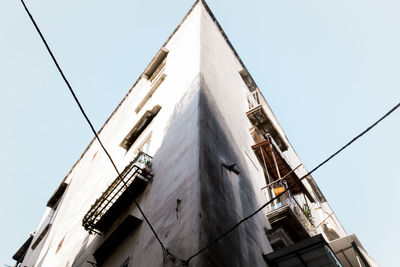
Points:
(262, 120)
(119, 195)
(111, 243)
(312, 252)
(276, 167)
(350, 252)
(287, 215)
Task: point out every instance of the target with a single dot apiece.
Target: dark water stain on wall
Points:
(219, 208)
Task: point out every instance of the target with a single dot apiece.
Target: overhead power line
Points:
(141, 211)
(88, 121)
(292, 186)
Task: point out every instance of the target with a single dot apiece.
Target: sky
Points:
(327, 68)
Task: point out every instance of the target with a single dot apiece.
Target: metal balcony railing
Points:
(119, 195)
(255, 99)
(303, 213)
(261, 117)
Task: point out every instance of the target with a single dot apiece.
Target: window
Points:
(154, 87)
(20, 254)
(115, 239)
(156, 65)
(145, 147)
(248, 80)
(154, 73)
(54, 199)
(41, 236)
(139, 127)
(126, 262)
(52, 203)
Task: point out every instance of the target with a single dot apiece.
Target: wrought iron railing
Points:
(139, 168)
(303, 213)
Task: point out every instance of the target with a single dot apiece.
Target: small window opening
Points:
(115, 239)
(55, 198)
(41, 236)
(139, 127)
(126, 262)
(156, 65)
(20, 254)
(145, 147)
(248, 80)
(154, 87)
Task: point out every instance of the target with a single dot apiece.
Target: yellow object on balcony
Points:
(279, 190)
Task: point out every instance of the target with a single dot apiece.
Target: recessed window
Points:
(41, 236)
(156, 83)
(115, 239)
(55, 198)
(20, 254)
(156, 65)
(145, 147)
(248, 80)
(154, 73)
(139, 127)
(126, 262)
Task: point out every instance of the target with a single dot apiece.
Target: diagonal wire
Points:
(141, 211)
(87, 119)
(287, 189)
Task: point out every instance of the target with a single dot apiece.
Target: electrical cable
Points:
(141, 211)
(292, 186)
(88, 120)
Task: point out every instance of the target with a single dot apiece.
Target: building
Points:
(198, 149)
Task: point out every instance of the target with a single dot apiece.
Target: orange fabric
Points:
(279, 190)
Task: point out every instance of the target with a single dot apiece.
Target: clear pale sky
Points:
(327, 68)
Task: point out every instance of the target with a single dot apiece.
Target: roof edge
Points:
(130, 90)
(311, 180)
(221, 30)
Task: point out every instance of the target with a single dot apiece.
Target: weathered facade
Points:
(198, 149)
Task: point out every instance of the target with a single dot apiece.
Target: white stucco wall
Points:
(174, 142)
(202, 80)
